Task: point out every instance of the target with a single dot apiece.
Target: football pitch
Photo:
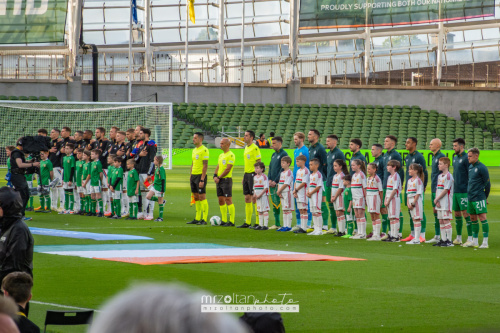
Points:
(396, 288)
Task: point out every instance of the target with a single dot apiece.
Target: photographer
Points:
(19, 167)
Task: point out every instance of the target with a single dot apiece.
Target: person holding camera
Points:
(19, 168)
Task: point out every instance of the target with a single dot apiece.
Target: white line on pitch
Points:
(62, 306)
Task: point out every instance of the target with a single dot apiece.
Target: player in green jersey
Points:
(132, 189)
(78, 181)
(46, 176)
(109, 173)
(69, 165)
(95, 178)
(461, 178)
(115, 185)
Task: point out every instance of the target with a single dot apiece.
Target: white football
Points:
(215, 221)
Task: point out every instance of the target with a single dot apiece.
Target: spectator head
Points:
(17, 285)
(8, 311)
(271, 134)
(160, 308)
(262, 136)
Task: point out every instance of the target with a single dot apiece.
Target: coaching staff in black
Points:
(18, 168)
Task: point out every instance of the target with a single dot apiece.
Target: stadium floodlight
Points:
(23, 118)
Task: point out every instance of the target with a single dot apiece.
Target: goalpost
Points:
(24, 118)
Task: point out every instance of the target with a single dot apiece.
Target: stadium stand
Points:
(28, 98)
(370, 123)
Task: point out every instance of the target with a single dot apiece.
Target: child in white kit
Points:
(261, 194)
(300, 190)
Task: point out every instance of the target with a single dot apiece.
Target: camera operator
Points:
(18, 168)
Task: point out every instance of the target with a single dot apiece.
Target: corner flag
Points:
(191, 10)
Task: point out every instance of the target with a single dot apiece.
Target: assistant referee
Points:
(224, 183)
(198, 179)
(251, 156)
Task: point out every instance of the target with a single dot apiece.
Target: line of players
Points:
(377, 186)
(102, 177)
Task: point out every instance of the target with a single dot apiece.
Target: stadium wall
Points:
(182, 157)
(445, 100)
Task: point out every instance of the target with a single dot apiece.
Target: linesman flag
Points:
(191, 10)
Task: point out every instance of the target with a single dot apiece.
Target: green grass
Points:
(398, 287)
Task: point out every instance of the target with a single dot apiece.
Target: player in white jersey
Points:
(414, 194)
(374, 193)
(301, 187)
(315, 195)
(261, 194)
(285, 193)
(340, 168)
(443, 201)
(392, 200)
(358, 187)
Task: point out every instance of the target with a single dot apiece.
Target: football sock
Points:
(124, 202)
(256, 215)
(385, 222)
(78, 200)
(198, 210)
(448, 230)
(136, 209)
(223, 213)
(475, 229)
(423, 224)
(161, 208)
(113, 204)
(437, 228)
(333, 216)
(289, 218)
(442, 231)
(48, 202)
(486, 228)
(376, 227)
(248, 212)
(459, 222)
(468, 225)
(361, 225)
(265, 218)
(53, 195)
(341, 223)
(31, 202)
(93, 206)
(324, 213)
(118, 207)
(151, 205)
(417, 228)
(204, 206)
(131, 210)
(71, 198)
(401, 222)
(42, 202)
(412, 226)
(231, 211)
(303, 221)
(62, 198)
(101, 205)
(66, 200)
(350, 227)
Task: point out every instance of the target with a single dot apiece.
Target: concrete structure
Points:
(446, 100)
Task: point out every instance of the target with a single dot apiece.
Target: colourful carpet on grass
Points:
(84, 235)
(181, 253)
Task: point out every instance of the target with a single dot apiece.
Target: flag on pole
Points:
(134, 11)
(191, 10)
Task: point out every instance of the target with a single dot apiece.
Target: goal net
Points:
(24, 118)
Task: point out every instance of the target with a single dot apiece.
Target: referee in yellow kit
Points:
(198, 179)
(251, 156)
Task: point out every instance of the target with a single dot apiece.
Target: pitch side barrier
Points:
(183, 156)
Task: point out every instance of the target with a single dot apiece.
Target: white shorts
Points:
(301, 205)
(116, 195)
(66, 186)
(417, 213)
(394, 207)
(133, 199)
(263, 204)
(358, 203)
(58, 174)
(142, 179)
(444, 215)
(95, 189)
(124, 182)
(157, 194)
(105, 179)
(315, 202)
(373, 203)
(338, 204)
(80, 189)
(287, 200)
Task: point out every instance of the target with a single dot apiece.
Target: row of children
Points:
(83, 179)
(352, 194)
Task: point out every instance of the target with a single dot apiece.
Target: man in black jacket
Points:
(16, 241)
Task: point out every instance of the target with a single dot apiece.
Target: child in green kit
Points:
(29, 180)
(46, 176)
(95, 178)
(158, 190)
(132, 189)
(79, 200)
(87, 163)
(108, 179)
(69, 168)
(348, 204)
(115, 185)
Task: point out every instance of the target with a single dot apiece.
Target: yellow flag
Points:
(191, 10)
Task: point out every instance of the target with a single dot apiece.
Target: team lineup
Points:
(113, 178)
(321, 188)
(101, 177)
